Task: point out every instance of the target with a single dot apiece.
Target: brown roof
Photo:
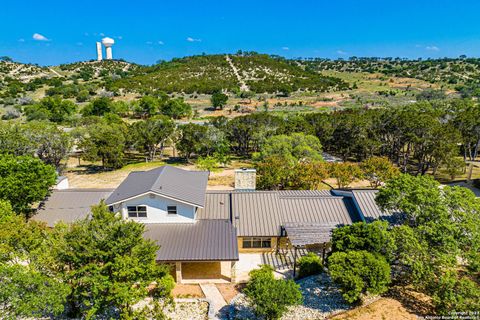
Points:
(69, 205)
(200, 241)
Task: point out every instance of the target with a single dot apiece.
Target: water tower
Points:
(99, 51)
(108, 43)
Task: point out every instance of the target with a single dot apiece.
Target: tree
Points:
(454, 167)
(308, 175)
(98, 107)
(111, 266)
(270, 297)
(53, 144)
(151, 135)
(295, 147)
(208, 163)
(26, 287)
(176, 108)
(373, 237)
(358, 273)
(24, 180)
(345, 173)
(26, 293)
(52, 108)
(273, 173)
(147, 106)
(378, 170)
(219, 100)
(105, 142)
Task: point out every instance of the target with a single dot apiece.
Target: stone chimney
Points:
(245, 179)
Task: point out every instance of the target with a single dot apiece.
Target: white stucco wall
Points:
(157, 210)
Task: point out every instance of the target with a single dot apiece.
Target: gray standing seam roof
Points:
(365, 200)
(176, 183)
(199, 241)
(69, 205)
(262, 213)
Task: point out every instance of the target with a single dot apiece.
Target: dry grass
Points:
(229, 290)
(187, 291)
(401, 303)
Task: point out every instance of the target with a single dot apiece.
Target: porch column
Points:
(233, 272)
(178, 272)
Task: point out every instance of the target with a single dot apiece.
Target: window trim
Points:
(170, 211)
(137, 211)
(251, 240)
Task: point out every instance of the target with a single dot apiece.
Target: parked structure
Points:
(202, 232)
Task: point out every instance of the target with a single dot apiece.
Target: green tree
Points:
(270, 297)
(26, 293)
(372, 237)
(176, 108)
(150, 136)
(208, 163)
(147, 107)
(111, 266)
(345, 173)
(105, 142)
(24, 180)
(378, 170)
(273, 173)
(295, 147)
(359, 272)
(219, 100)
(52, 108)
(98, 107)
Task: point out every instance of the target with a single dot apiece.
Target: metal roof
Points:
(365, 200)
(69, 205)
(256, 213)
(217, 206)
(330, 210)
(200, 241)
(301, 234)
(304, 193)
(183, 185)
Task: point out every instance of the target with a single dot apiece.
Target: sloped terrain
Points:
(209, 73)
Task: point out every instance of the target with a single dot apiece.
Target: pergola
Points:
(304, 234)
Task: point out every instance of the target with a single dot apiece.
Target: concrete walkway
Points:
(218, 304)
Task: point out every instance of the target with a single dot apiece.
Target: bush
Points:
(309, 264)
(270, 297)
(359, 272)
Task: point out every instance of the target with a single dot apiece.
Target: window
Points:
(137, 211)
(252, 242)
(172, 209)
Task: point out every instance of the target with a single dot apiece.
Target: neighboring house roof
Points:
(69, 205)
(178, 184)
(204, 240)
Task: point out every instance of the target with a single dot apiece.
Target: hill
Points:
(209, 73)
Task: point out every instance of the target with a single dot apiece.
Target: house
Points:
(203, 233)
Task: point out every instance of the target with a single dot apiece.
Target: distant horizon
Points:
(55, 32)
(233, 53)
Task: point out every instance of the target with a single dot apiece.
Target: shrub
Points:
(270, 297)
(359, 272)
(309, 264)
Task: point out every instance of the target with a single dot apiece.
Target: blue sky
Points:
(146, 31)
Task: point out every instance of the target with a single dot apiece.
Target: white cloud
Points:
(21, 40)
(341, 52)
(432, 48)
(39, 37)
(160, 43)
(285, 48)
(190, 39)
